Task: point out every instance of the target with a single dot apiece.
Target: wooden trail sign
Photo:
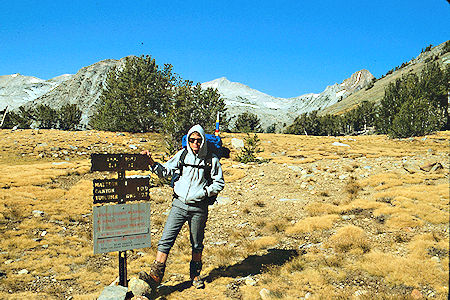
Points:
(119, 162)
(121, 227)
(121, 190)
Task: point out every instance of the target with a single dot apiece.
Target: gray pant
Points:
(196, 218)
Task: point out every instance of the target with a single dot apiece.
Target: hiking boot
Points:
(198, 283)
(155, 276)
(195, 268)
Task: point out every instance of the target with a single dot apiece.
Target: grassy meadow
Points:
(353, 217)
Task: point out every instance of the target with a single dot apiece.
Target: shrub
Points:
(251, 147)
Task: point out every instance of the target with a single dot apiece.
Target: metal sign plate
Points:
(118, 162)
(121, 227)
(118, 190)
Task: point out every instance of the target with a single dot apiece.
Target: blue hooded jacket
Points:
(192, 187)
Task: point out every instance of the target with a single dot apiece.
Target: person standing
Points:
(200, 177)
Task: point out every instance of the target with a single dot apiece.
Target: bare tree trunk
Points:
(4, 116)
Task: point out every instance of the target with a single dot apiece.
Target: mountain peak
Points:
(357, 81)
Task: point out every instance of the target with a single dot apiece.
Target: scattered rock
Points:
(427, 167)
(237, 143)
(436, 167)
(435, 259)
(139, 298)
(286, 199)
(416, 294)
(250, 281)
(295, 168)
(359, 293)
(38, 213)
(223, 201)
(340, 144)
(139, 287)
(265, 294)
(115, 292)
(410, 168)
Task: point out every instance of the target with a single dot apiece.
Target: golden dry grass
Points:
(312, 223)
(349, 238)
(383, 224)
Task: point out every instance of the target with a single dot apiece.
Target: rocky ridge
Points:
(85, 87)
(240, 98)
(17, 89)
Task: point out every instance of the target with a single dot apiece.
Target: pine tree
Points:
(136, 97)
(415, 118)
(45, 116)
(192, 105)
(247, 122)
(69, 117)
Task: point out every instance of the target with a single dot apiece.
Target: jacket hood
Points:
(203, 147)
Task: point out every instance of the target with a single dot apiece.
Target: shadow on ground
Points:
(252, 265)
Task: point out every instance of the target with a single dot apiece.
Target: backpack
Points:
(214, 144)
(207, 172)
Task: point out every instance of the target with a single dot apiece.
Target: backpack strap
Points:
(207, 166)
(181, 162)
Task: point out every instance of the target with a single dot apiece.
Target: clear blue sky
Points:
(282, 48)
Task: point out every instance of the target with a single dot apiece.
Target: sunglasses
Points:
(192, 140)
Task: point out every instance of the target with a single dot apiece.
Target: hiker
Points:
(190, 202)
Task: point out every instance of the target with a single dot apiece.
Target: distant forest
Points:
(412, 106)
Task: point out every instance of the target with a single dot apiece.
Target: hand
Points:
(150, 159)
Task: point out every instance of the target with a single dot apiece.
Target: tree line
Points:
(413, 105)
(67, 117)
(141, 96)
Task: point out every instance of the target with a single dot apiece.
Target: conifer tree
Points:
(135, 97)
(192, 105)
(247, 122)
(69, 117)
(45, 116)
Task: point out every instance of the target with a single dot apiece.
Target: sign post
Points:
(121, 227)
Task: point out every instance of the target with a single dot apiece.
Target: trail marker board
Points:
(121, 227)
(120, 190)
(118, 162)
